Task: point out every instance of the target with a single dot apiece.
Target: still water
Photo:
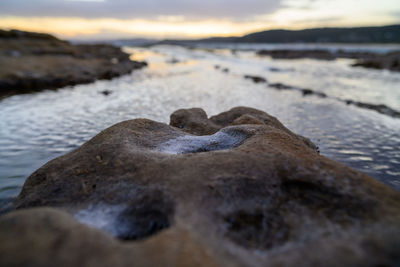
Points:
(37, 127)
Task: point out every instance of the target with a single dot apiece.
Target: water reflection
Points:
(35, 128)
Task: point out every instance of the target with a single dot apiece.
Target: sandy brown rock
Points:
(49, 237)
(34, 61)
(244, 191)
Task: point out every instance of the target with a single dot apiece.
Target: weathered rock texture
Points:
(237, 189)
(34, 61)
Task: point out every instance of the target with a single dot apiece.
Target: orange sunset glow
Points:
(188, 21)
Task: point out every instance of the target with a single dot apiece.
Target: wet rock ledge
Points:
(34, 61)
(236, 189)
(389, 61)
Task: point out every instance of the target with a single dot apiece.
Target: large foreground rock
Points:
(238, 189)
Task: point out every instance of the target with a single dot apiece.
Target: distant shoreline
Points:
(379, 35)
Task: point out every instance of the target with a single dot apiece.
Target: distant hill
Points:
(384, 34)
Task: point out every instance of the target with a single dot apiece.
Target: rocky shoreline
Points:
(380, 108)
(389, 61)
(35, 61)
(235, 189)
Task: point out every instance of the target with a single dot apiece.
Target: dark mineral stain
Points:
(259, 209)
(257, 229)
(145, 216)
(340, 208)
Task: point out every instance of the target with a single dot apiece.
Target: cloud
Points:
(321, 20)
(128, 9)
(396, 14)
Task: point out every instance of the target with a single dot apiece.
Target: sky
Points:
(159, 19)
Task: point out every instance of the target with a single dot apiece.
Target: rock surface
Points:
(383, 109)
(236, 189)
(34, 61)
(389, 61)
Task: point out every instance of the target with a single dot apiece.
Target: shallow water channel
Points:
(37, 127)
